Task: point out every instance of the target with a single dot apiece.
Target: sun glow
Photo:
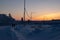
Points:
(47, 17)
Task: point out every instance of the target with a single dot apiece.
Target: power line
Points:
(25, 12)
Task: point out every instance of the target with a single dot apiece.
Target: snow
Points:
(30, 32)
(6, 33)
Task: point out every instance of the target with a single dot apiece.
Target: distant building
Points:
(4, 19)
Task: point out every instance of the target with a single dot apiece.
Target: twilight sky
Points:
(40, 9)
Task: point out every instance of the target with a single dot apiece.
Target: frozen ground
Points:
(30, 32)
(6, 33)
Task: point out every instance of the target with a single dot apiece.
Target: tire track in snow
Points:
(18, 34)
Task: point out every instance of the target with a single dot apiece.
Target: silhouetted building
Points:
(4, 19)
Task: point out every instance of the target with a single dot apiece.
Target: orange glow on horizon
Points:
(41, 17)
(48, 17)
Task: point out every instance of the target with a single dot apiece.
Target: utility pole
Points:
(24, 11)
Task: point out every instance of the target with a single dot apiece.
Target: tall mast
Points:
(24, 10)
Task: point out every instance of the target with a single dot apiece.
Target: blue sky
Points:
(39, 8)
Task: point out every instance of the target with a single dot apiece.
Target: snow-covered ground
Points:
(6, 33)
(30, 32)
